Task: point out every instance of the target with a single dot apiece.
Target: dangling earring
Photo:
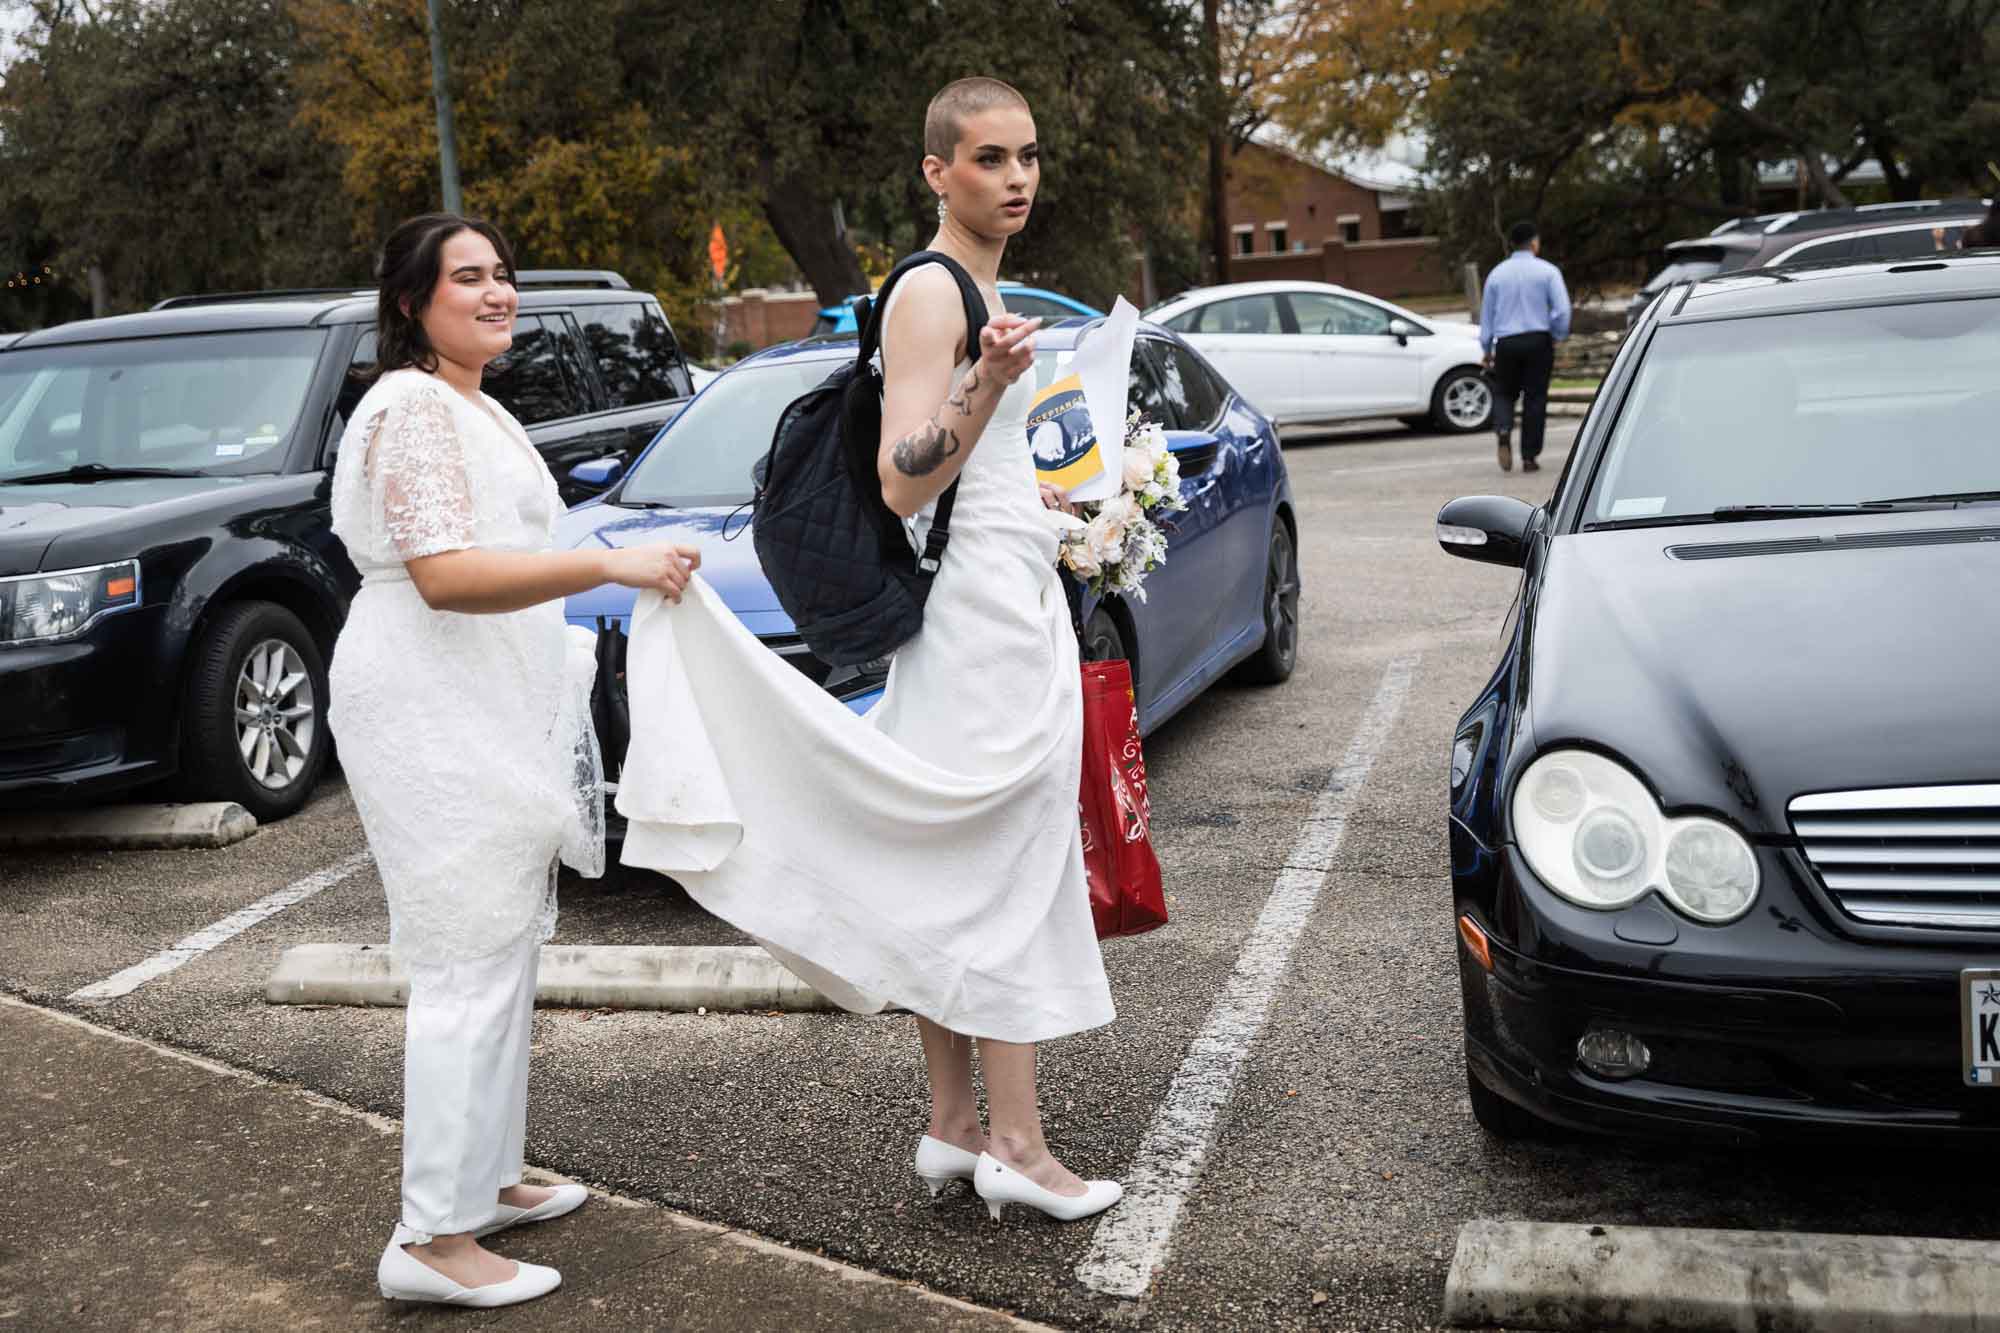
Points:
(941, 208)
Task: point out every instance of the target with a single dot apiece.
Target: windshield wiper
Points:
(622, 503)
(1944, 497)
(1745, 513)
(1646, 521)
(93, 472)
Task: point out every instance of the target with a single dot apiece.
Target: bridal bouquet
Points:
(1112, 544)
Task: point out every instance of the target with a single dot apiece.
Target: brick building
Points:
(1292, 217)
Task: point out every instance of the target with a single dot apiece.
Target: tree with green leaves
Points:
(813, 110)
(158, 143)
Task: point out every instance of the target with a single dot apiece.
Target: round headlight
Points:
(1595, 835)
(1711, 872)
(1609, 845)
(1559, 793)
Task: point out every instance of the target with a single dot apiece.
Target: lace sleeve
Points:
(417, 479)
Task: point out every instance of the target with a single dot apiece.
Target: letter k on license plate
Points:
(1979, 992)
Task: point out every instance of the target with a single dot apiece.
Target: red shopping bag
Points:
(1125, 893)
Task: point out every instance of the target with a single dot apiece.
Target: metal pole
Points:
(454, 202)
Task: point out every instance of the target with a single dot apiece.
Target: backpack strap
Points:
(976, 316)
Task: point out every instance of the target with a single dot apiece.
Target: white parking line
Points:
(199, 943)
(1132, 1241)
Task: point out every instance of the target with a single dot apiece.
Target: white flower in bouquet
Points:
(1104, 533)
(1139, 469)
(1115, 543)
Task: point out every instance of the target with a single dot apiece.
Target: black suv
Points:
(170, 586)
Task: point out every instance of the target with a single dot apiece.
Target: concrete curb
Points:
(682, 977)
(1569, 1276)
(1572, 396)
(127, 827)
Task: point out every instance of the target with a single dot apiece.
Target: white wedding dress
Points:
(466, 739)
(927, 856)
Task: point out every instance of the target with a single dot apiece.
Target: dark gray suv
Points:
(1868, 234)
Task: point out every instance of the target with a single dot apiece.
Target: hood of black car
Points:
(34, 517)
(1736, 677)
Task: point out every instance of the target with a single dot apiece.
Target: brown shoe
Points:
(1506, 454)
(1530, 465)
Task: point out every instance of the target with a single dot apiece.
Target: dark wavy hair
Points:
(406, 272)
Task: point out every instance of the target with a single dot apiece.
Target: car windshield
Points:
(1823, 407)
(705, 455)
(199, 403)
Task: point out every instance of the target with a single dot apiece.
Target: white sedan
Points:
(1311, 351)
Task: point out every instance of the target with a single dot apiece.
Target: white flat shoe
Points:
(939, 1163)
(566, 1199)
(1000, 1185)
(404, 1277)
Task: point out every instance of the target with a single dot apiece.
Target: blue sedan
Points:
(1019, 300)
(1227, 598)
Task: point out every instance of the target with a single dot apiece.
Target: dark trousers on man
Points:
(1522, 363)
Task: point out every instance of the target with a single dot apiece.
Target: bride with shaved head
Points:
(927, 857)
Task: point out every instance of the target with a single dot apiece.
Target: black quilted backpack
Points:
(836, 555)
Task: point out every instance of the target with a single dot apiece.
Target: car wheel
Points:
(1272, 663)
(255, 728)
(1462, 401)
(1102, 639)
(1495, 1114)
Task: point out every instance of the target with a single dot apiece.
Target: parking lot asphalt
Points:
(1344, 1159)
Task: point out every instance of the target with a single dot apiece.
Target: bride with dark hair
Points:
(929, 857)
(461, 702)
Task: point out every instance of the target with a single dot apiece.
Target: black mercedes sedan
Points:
(1725, 822)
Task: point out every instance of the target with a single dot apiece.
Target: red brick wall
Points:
(765, 318)
(1380, 268)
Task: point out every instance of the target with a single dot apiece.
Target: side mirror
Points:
(1493, 528)
(1400, 330)
(598, 473)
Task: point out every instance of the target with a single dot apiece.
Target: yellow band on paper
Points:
(1074, 475)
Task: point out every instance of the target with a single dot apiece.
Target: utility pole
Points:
(1217, 127)
(454, 202)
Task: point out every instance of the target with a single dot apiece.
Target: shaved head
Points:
(944, 123)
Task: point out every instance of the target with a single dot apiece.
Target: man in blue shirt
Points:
(1525, 314)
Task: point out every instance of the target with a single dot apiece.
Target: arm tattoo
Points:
(961, 397)
(924, 450)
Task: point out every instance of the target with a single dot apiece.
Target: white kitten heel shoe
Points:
(404, 1277)
(940, 1163)
(1000, 1185)
(566, 1199)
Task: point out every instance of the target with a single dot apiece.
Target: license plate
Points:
(1979, 1007)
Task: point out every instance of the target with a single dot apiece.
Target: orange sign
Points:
(718, 252)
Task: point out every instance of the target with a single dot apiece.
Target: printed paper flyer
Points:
(1071, 451)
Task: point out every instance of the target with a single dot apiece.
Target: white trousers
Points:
(465, 1087)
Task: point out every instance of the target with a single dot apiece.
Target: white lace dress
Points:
(928, 856)
(466, 739)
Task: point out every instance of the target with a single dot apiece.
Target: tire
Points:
(1273, 661)
(283, 731)
(1103, 641)
(1496, 1115)
(1462, 402)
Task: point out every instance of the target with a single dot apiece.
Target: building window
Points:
(1278, 245)
(1350, 227)
(1246, 241)
(1400, 223)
